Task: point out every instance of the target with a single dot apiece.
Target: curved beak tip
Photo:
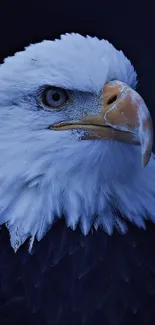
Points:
(129, 113)
(146, 158)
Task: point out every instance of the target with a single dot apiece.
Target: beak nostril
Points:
(112, 100)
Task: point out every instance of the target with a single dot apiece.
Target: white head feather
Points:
(46, 174)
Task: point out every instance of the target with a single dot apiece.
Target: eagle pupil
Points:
(56, 97)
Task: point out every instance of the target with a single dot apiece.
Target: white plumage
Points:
(46, 174)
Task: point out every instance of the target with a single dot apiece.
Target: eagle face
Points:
(73, 135)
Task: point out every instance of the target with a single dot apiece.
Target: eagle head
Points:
(75, 138)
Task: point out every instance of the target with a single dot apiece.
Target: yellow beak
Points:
(124, 117)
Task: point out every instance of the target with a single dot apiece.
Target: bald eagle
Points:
(76, 144)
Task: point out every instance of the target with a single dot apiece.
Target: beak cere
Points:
(124, 117)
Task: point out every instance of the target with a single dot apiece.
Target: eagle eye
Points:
(54, 97)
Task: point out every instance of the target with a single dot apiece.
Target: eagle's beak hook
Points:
(125, 111)
(129, 113)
